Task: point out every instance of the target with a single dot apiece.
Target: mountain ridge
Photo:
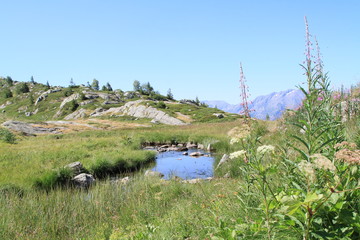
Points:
(269, 106)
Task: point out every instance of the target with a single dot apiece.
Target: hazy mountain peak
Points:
(272, 104)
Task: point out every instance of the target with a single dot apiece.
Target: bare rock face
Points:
(83, 103)
(81, 113)
(69, 99)
(83, 180)
(136, 109)
(30, 129)
(44, 95)
(65, 101)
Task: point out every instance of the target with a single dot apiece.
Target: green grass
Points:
(119, 150)
(146, 208)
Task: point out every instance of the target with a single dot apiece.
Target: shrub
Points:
(67, 92)
(82, 96)
(72, 105)
(22, 88)
(9, 81)
(7, 136)
(161, 104)
(6, 93)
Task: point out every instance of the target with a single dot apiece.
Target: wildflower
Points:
(307, 169)
(265, 149)
(348, 156)
(234, 140)
(336, 96)
(237, 154)
(303, 130)
(323, 162)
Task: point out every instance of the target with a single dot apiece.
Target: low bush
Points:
(6, 93)
(7, 136)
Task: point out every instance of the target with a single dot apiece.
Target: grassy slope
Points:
(48, 107)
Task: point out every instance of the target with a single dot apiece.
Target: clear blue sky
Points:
(193, 47)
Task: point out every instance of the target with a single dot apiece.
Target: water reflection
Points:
(176, 164)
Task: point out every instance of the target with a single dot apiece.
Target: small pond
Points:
(173, 163)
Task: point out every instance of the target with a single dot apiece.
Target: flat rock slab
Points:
(29, 128)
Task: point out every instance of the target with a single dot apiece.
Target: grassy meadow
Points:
(258, 201)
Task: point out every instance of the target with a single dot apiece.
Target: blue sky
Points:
(193, 47)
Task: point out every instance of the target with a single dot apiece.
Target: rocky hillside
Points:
(271, 106)
(34, 102)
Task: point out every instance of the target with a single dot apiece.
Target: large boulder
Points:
(83, 180)
(150, 173)
(75, 167)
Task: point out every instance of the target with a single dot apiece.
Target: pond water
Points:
(174, 163)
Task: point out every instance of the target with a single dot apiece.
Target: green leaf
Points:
(312, 197)
(302, 141)
(303, 154)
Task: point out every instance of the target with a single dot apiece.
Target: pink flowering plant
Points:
(323, 190)
(307, 185)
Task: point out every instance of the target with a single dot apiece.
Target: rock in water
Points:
(196, 154)
(83, 180)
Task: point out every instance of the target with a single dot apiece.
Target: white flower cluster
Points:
(237, 154)
(323, 162)
(234, 140)
(237, 134)
(307, 169)
(265, 149)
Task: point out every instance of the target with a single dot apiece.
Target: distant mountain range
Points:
(272, 105)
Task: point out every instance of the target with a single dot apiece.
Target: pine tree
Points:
(136, 85)
(9, 81)
(170, 95)
(72, 82)
(108, 86)
(95, 85)
(197, 101)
